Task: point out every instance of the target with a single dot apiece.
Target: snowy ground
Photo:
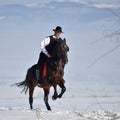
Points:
(23, 114)
(14, 106)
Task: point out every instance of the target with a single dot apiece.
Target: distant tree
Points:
(110, 31)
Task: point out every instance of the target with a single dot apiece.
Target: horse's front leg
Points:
(55, 95)
(53, 83)
(46, 93)
(62, 86)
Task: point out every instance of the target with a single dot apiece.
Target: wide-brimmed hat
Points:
(58, 28)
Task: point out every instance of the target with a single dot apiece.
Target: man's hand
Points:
(48, 55)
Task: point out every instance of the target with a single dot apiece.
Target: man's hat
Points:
(58, 28)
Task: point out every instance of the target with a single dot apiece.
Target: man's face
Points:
(57, 34)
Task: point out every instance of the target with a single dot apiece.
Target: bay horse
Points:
(55, 72)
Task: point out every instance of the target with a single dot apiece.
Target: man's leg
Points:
(39, 69)
(38, 76)
(39, 72)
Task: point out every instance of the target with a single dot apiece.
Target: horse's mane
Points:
(59, 52)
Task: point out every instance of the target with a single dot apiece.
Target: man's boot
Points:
(39, 77)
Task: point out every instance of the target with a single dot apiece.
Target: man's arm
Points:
(43, 44)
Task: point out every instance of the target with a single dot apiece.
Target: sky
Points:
(24, 24)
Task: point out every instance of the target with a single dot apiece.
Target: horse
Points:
(55, 72)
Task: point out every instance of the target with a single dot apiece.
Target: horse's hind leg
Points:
(62, 86)
(46, 93)
(31, 90)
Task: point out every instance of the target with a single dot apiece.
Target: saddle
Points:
(44, 70)
(52, 65)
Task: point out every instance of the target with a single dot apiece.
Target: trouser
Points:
(40, 65)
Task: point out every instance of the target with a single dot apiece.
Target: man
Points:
(44, 55)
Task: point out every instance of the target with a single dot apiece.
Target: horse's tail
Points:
(24, 84)
(27, 82)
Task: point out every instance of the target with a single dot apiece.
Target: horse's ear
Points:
(64, 40)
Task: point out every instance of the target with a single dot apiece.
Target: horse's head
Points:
(61, 49)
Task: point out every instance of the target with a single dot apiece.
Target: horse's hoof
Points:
(49, 109)
(31, 108)
(59, 96)
(54, 97)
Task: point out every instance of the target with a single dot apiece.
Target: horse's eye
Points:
(65, 46)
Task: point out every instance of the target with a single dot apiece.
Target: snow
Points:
(37, 114)
(15, 106)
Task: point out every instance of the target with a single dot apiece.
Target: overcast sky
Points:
(24, 24)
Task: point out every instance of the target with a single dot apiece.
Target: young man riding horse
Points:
(54, 53)
(45, 52)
